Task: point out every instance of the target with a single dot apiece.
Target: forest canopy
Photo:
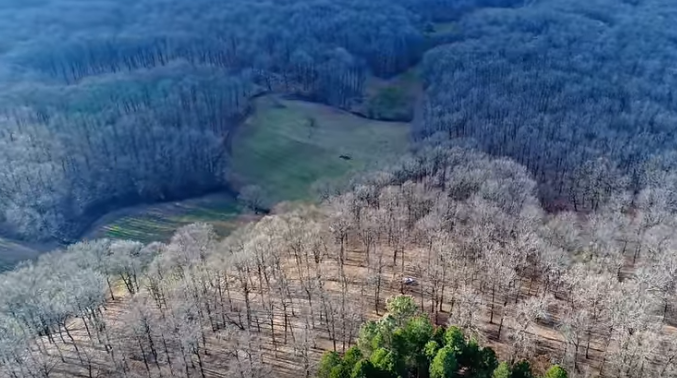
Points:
(578, 92)
(593, 294)
(534, 212)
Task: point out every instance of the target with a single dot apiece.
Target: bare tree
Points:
(466, 314)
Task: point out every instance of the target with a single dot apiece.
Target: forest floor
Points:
(283, 357)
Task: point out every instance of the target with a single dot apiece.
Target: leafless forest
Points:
(536, 209)
(592, 292)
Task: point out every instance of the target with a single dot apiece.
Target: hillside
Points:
(273, 295)
(338, 188)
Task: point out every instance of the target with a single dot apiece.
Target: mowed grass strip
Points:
(288, 145)
(159, 222)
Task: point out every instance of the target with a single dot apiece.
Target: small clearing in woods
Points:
(288, 145)
(284, 148)
(441, 29)
(144, 223)
(391, 99)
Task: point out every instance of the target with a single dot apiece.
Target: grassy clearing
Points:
(142, 223)
(391, 99)
(288, 145)
(284, 148)
(444, 28)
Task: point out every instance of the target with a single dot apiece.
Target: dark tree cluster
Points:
(580, 92)
(67, 154)
(405, 343)
(313, 41)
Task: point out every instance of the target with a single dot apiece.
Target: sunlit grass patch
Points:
(288, 145)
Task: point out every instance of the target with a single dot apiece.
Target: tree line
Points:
(578, 92)
(69, 88)
(591, 293)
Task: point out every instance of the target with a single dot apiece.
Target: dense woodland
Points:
(536, 210)
(580, 92)
(404, 343)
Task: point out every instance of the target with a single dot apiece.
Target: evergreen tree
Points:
(329, 362)
(556, 372)
(402, 308)
(364, 369)
(385, 361)
(502, 371)
(444, 364)
(522, 369)
(454, 338)
(430, 349)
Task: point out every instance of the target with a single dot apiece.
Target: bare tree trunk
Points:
(166, 350)
(75, 345)
(110, 289)
(493, 296)
(199, 363)
(143, 354)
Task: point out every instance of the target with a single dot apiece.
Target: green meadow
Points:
(287, 145)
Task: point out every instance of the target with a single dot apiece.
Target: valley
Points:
(285, 147)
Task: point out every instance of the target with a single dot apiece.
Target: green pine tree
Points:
(328, 362)
(444, 364)
(556, 372)
(454, 338)
(502, 371)
(522, 369)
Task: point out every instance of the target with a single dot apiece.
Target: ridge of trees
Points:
(116, 141)
(592, 293)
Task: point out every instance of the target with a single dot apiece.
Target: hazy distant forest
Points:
(536, 209)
